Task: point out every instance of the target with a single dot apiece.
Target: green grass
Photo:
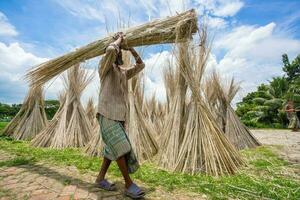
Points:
(2, 125)
(261, 178)
(16, 161)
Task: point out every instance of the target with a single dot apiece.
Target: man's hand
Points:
(119, 38)
(118, 35)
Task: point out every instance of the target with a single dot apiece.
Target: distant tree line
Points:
(7, 112)
(265, 106)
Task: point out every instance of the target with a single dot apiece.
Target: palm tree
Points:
(278, 86)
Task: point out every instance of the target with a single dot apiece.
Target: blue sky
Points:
(249, 37)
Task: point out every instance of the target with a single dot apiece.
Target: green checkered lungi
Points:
(117, 143)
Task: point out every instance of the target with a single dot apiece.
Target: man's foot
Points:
(134, 192)
(105, 185)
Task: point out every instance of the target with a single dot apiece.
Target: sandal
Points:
(134, 192)
(105, 185)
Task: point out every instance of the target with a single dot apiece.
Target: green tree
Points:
(293, 75)
(279, 86)
(51, 106)
(292, 70)
(264, 107)
(8, 111)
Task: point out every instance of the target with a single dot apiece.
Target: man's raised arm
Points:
(110, 55)
(139, 66)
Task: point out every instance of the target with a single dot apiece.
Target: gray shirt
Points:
(113, 96)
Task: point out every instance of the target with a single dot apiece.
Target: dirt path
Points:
(43, 181)
(290, 142)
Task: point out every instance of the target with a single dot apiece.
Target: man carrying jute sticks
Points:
(111, 114)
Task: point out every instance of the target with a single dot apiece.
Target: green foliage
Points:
(259, 101)
(7, 112)
(16, 161)
(263, 87)
(243, 108)
(2, 126)
(264, 94)
(292, 69)
(264, 107)
(273, 104)
(51, 106)
(249, 97)
(279, 86)
(261, 178)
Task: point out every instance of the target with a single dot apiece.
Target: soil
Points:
(288, 140)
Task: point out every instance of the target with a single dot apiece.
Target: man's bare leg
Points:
(104, 167)
(123, 168)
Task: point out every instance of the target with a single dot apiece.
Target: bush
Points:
(259, 101)
(256, 124)
(278, 125)
(273, 104)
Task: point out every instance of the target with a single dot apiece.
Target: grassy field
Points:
(2, 125)
(266, 176)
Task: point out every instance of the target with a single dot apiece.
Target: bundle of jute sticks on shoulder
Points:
(154, 32)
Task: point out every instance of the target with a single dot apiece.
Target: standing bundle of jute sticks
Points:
(172, 131)
(44, 137)
(71, 126)
(155, 32)
(95, 145)
(155, 113)
(91, 112)
(31, 118)
(204, 147)
(236, 132)
(141, 131)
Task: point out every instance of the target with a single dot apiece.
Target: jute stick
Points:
(155, 32)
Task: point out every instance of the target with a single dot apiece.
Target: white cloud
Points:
(111, 11)
(261, 43)
(14, 61)
(228, 8)
(220, 8)
(171, 7)
(6, 29)
(253, 54)
(155, 66)
(78, 8)
(162, 8)
(217, 12)
(216, 22)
